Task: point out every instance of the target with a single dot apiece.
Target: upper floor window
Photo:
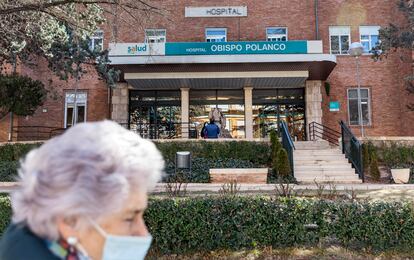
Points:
(340, 37)
(369, 37)
(353, 106)
(216, 35)
(155, 35)
(276, 34)
(96, 41)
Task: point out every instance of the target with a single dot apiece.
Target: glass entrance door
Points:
(272, 106)
(155, 114)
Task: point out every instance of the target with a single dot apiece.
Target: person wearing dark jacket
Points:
(212, 130)
(82, 195)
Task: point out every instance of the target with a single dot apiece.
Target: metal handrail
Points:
(287, 144)
(161, 130)
(323, 132)
(352, 148)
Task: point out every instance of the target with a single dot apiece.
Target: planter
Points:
(400, 175)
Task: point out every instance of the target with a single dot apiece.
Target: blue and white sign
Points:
(334, 106)
(235, 48)
(213, 48)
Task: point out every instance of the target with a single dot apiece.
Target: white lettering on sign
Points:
(215, 11)
(227, 48)
(266, 47)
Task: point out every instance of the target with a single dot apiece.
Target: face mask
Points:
(124, 247)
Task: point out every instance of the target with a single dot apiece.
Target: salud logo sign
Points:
(235, 48)
(216, 11)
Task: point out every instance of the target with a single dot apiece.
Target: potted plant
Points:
(400, 173)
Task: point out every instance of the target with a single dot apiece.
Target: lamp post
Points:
(356, 49)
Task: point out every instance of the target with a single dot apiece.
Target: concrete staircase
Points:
(318, 161)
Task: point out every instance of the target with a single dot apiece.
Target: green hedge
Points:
(5, 212)
(204, 224)
(211, 223)
(396, 155)
(13, 152)
(8, 171)
(200, 168)
(258, 153)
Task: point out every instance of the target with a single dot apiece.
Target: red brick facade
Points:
(385, 79)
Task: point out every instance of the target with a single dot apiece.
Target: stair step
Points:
(331, 181)
(324, 151)
(319, 157)
(323, 171)
(323, 167)
(319, 162)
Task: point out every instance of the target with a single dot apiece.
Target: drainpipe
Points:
(316, 20)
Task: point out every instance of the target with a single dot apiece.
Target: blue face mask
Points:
(124, 247)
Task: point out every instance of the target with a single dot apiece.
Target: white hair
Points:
(88, 172)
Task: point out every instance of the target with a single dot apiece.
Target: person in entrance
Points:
(212, 131)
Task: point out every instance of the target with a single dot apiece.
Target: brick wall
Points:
(385, 78)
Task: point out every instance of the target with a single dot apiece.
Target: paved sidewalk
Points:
(369, 191)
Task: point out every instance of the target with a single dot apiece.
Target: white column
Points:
(185, 107)
(248, 112)
(120, 102)
(313, 99)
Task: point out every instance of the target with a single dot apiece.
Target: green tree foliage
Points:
(20, 95)
(394, 37)
(58, 31)
(375, 173)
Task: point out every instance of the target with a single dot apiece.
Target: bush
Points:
(200, 168)
(374, 171)
(258, 153)
(5, 212)
(283, 165)
(14, 152)
(8, 171)
(230, 222)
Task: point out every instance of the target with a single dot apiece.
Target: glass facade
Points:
(155, 114)
(272, 106)
(226, 106)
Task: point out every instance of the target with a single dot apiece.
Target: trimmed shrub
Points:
(258, 153)
(5, 212)
(200, 168)
(374, 171)
(283, 166)
(203, 224)
(14, 152)
(8, 171)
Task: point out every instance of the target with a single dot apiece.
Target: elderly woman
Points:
(83, 195)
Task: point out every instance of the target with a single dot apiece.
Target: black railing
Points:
(319, 131)
(35, 133)
(352, 148)
(287, 143)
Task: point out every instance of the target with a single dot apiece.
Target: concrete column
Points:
(120, 104)
(185, 108)
(248, 112)
(313, 99)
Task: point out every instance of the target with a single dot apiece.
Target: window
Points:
(369, 37)
(80, 111)
(340, 38)
(96, 41)
(353, 106)
(155, 35)
(216, 35)
(276, 34)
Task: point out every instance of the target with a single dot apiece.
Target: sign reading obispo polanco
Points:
(214, 48)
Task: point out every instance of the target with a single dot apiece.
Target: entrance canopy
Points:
(221, 65)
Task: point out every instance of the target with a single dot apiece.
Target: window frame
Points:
(69, 105)
(93, 37)
(277, 27)
(369, 28)
(155, 36)
(369, 106)
(215, 28)
(339, 35)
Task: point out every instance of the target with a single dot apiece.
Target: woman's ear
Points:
(67, 227)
